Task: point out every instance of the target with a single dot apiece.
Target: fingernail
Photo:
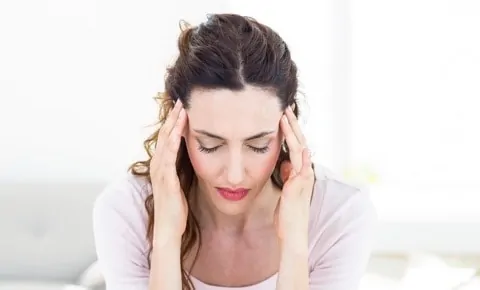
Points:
(178, 103)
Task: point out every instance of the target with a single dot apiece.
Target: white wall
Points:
(415, 89)
(77, 80)
(415, 72)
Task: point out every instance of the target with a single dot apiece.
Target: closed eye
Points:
(207, 150)
(259, 150)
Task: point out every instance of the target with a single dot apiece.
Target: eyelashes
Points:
(259, 150)
(207, 150)
(213, 149)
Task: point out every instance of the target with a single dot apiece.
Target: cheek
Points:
(262, 165)
(203, 168)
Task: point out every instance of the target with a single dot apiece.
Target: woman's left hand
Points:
(292, 212)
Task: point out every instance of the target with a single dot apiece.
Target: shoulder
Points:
(119, 229)
(341, 232)
(119, 210)
(338, 208)
(334, 197)
(127, 192)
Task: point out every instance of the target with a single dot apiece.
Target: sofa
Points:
(46, 239)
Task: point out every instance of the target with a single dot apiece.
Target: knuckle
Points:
(158, 150)
(161, 132)
(298, 152)
(172, 144)
(296, 149)
(309, 174)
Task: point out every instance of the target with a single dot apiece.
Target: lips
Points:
(233, 194)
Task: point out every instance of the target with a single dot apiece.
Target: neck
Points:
(258, 216)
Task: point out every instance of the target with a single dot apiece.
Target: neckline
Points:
(267, 281)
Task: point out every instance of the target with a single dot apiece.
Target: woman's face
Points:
(234, 140)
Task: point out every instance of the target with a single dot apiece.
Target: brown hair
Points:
(227, 51)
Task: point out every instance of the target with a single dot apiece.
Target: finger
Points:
(292, 119)
(307, 173)
(166, 127)
(307, 168)
(170, 121)
(173, 140)
(294, 146)
(171, 152)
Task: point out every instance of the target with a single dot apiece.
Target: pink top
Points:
(342, 221)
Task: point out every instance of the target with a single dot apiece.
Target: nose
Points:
(235, 169)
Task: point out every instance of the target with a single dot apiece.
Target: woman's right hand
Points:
(171, 208)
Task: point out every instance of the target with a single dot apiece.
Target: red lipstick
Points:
(232, 194)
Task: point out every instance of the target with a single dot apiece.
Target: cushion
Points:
(50, 221)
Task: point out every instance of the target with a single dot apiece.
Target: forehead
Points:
(234, 113)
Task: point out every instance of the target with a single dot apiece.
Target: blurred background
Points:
(391, 99)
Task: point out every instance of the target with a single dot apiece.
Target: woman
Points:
(229, 198)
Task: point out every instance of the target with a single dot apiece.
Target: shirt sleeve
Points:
(119, 238)
(343, 250)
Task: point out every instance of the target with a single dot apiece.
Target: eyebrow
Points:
(256, 136)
